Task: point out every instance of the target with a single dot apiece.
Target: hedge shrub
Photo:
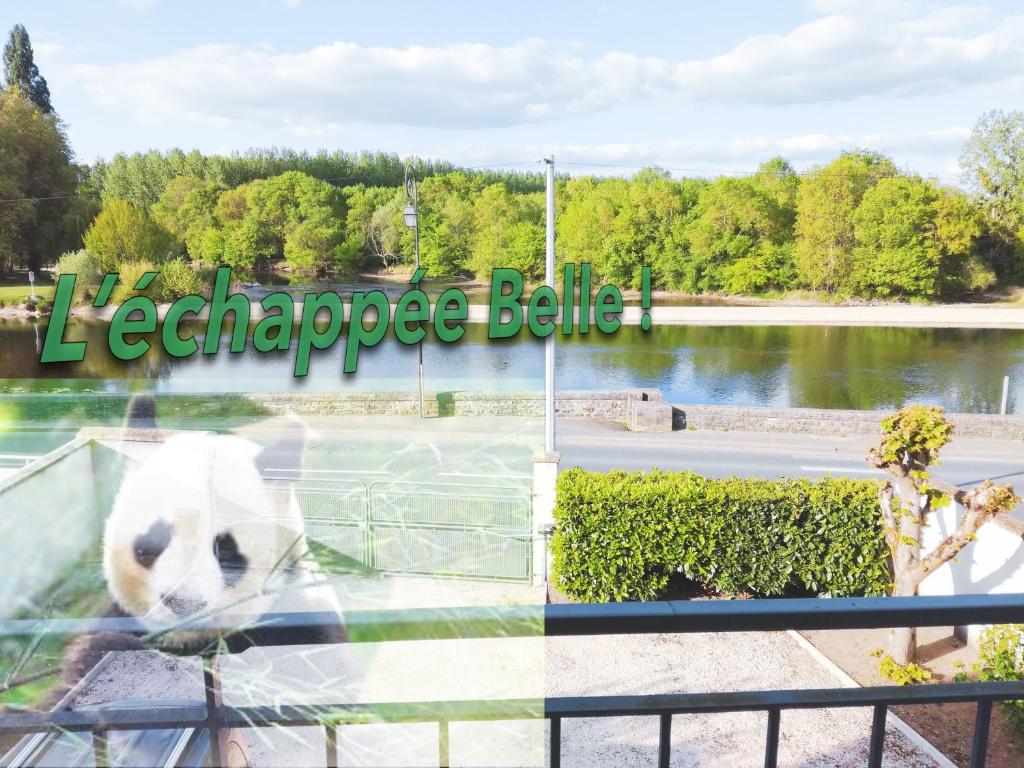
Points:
(619, 536)
(1001, 657)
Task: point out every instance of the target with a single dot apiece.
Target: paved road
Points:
(718, 454)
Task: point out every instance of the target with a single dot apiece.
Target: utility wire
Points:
(53, 197)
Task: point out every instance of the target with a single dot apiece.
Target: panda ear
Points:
(141, 412)
(282, 459)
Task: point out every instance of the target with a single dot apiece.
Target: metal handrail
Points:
(565, 620)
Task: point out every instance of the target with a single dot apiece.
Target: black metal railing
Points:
(562, 620)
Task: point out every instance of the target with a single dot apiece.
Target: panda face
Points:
(195, 529)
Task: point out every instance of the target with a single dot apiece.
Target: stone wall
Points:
(814, 421)
(608, 405)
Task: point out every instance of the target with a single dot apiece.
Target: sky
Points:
(695, 87)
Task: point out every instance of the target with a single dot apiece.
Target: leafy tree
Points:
(447, 222)
(88, 268)
(826, 204)
(896, 253)
(777, 179)
(37, 179)
(123, 233)
(993, 164)
(21, 72)
(142, 177)
(509, 232)
(737, 237)
(768, 267)
(292, 217)
(167, 210)
(957, 229)
(186, 209)
(648, 229)
(179, 278)
(909, 445)
(589, 208)
(239, 237)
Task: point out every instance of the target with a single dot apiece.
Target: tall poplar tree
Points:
(20, 70)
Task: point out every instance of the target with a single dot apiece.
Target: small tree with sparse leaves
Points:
(909, 446)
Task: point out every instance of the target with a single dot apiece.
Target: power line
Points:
(52, 197)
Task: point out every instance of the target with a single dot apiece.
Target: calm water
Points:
(820, 367)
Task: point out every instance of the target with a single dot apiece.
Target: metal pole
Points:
(1006, 393)
(416, 238)
(549, 342)
(413, 196)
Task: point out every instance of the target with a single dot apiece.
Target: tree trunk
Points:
(903, 640)
(909, 520)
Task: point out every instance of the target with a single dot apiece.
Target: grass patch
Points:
(18, 294)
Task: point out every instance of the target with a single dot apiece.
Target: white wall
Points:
(992, 564)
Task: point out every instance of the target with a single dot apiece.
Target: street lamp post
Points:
(549, 279)
(411, 214)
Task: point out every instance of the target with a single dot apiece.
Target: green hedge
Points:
(620, 536)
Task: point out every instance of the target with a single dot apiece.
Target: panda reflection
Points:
(197, 532)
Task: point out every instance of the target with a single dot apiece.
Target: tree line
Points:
(855, 226)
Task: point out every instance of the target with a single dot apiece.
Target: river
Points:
(801, 366)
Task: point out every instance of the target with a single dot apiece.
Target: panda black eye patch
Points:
(149, 545)
(232, 562)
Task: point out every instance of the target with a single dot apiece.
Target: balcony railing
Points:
(559, 620)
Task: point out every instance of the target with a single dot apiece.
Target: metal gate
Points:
(442, 529)
(428, 529)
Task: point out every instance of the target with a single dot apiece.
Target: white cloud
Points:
(858, 50)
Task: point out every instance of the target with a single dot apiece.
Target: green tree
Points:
(509, 232)
(957, 228)
(37, 179)
(87, 268)
(896, 253)
(647, 230)
(826, 204)
(124, 233)
(447, 222)
(21, 72)
(740, 239)
(142, 177)
(909, 445)
(993, 169)
(993, 165)
(186, 209)
(293, 217)
(589, 208)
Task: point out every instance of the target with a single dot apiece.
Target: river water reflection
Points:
(802, 366)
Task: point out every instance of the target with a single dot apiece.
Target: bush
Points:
(123, 233)
(620, 536)
(131, 272)
(901, 674)
(179, 279)
(1001, 657)
(87, 266)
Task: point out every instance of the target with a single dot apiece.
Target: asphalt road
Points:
(603, 449)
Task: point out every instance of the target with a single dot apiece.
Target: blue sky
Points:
(698, 87)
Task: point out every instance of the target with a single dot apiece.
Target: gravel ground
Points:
(525, 667)
(637, 664)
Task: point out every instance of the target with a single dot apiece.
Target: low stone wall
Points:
(607, 405)
(813, 421)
